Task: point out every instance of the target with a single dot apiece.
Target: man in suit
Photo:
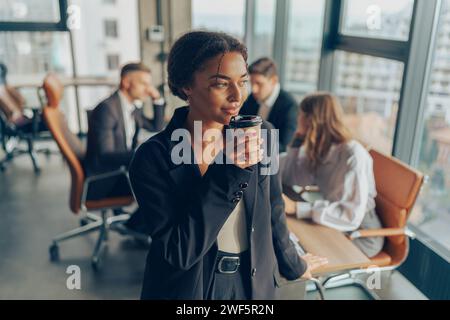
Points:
(115, 123)
(114, 127)
(271, 102)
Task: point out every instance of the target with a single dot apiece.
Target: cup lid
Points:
(245, 121)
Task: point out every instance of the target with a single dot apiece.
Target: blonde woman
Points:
(324, 154)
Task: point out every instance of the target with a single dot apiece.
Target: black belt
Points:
(228, 263)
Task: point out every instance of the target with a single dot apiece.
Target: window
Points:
(377, 18)
(29, 56)
(33, 54)
(94, 54)
(369, 90)
(29, 11)
(112, 61)
(89, 41)
(218, 15)
(304, 44)
(111, 28)
(264, 27)
(432, 210)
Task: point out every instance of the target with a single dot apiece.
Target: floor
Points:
(34, 208)
(392, 286)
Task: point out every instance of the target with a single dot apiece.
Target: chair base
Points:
(103, 224)
(351, 279)
(12, 151)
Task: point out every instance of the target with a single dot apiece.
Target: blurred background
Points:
(388, 62)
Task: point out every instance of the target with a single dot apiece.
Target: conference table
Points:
(340, 251)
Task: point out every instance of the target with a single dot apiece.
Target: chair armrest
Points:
(309, 189)
(121, 171)
(296, 192)
(33, 108)
(385, 232)
(36, 118)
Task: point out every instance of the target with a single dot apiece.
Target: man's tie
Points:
(135, 126)
(263, 111)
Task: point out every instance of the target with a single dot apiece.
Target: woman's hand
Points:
(247, 150)
(313, 262)
(290, 206)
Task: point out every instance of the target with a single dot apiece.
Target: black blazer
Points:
(185, 212)
(283, 115)
(107, 147)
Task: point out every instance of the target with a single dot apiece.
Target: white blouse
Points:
(345, 179)
(232, 237)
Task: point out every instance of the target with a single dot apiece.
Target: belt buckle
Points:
(219, 267)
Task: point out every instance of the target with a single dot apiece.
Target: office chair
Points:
(398, 186)
(73, 152)
(15, 127)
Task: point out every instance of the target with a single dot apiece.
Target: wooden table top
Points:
(342, 254)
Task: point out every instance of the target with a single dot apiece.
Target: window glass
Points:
(264, 28)
(385, 19)
(218, 15)
(304, 45)
(369, 90)
(432, 210)
(29, 11)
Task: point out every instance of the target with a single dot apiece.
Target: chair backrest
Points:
(70, 146)
(53, 89)
(398, 186)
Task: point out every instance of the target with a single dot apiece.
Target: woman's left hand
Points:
(290, 206)
(313, 262)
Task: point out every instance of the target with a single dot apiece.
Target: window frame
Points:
(61, 25)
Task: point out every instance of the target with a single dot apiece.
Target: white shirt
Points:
(266, 105)
(128, 119)
(232, 237)
(345, 179)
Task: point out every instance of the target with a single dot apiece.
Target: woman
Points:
(324, 154)
(216, 231)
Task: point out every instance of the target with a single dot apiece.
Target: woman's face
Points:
(302, 123)
(219, 89)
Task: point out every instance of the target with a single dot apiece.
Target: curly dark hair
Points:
(192, 50)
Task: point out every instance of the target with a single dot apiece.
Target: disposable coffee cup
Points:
(248, 124)
(243, 121)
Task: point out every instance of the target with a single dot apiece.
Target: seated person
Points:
(114, 124)
(12, 105)
(269, 101)
(324, 154)
(114, 127)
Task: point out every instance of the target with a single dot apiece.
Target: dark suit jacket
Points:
(107, 147)
(283, 115)
(185, 212)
